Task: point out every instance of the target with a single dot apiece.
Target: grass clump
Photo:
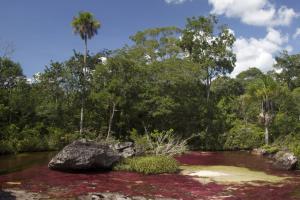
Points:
(149, 165)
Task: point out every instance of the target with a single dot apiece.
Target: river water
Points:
(29, 172)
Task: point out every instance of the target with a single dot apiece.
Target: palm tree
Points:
(265, 89)
(86, 26)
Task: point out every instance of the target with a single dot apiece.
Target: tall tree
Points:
(265, 90)
(157, 44)
(289, 66)
(86, 26)
(211, 48)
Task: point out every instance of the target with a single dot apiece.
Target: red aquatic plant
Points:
(63, 185)
(60, 185)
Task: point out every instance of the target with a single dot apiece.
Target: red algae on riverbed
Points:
(60, 185)
(65, 185)
(287, 191)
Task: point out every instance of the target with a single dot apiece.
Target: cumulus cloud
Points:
(297, 33)
(253, 52)
(175, 1)
(254, 12)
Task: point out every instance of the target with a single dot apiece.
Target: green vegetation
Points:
(161, 90)
(159, 143)
(86, 26)
(243, 136)
(149, 165)
(271, 149)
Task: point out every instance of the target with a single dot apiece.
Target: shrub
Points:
(31, 144)
(159, 143)
(292, 142)
(141, 142)
(7, 147)
(55, 138)
(271, 149)
(32, 139)
(149, 165)
(244, 136)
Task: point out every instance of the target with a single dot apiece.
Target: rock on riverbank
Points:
(85, 155)
(282, 159)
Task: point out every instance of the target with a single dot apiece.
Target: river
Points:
(242, 176)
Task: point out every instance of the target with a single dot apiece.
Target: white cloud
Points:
(254, 12)
(175, 1)
(297, 33)
(253, 52)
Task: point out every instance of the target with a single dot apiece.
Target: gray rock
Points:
(125, 149)
(116, 196)
(259, 151)
(84, 155)
(285, 160)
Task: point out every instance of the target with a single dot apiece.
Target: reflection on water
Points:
(12, 163)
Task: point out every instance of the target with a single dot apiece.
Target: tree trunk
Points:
(208, 116)
(9, 100)
(83, 87)
(81, 117)
(85, 52)
(266, 135)
(208, 82)
(110, 121)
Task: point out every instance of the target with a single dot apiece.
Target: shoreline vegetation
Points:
(172, 85)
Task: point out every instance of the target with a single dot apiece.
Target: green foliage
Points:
(85, 25)
(141, 142)
(7, 147)
(158, 143)
(290, 69)
(159, 82)
(149, 165)
(271, 149)
(290, 141)
(244, 136)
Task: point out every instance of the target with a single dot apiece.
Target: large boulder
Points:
(285, 160)
(84, 155)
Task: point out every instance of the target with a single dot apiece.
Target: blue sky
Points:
(41, 31)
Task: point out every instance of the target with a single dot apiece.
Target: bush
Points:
(149, 165)
(292, 142)
(159, 143)
(32, 139)
(271, 149)
(244, 136)
(31, 144)
(7, 147)
(141, 142)
(57, 138)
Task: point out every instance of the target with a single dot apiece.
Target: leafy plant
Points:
(244, 136)
(149, 165)
(159, 143)
(271, 149)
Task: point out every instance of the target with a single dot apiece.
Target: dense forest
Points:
(170, 78)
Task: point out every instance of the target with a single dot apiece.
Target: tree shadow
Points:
(4, 195)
